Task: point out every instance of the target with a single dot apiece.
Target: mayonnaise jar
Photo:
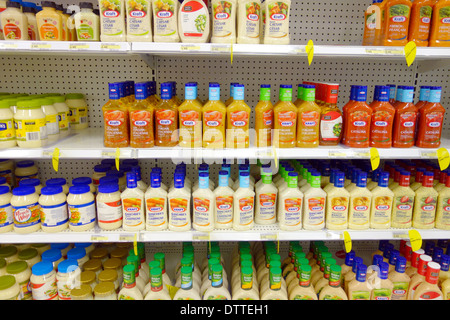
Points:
(89, 278)
(67, 277)
(54, 215)
(7, 170)
(6, 213)
(51, 119)
(109, 206)
(41, 247)
(26, 210)
(99, 172)
(9, 288)
(22, 272)
(7, 132)
(25, 169)
(83, 292)
(100, 253)
(2, 267)
(63, 247)
(94, 265)
(78, 111)
(34, 183)
(4, 183)
(86, 181)
(55, 182)
(81, 203)
(30, 124)
(9, 253)
(105, 291)
(30, 256)
(43, 281)
(78, 254)
(59, 102)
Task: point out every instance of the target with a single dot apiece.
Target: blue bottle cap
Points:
(166, 91)
(424, 93)
(393, 256)
(445, 262)
(265, 86)
(76, 253)
(437, 254)
(178, 180)
(361, 272)
(387, 250)
(155, 180)
(137, 171)
(108, 179)
(55, 182)
(377, 258)
(82, 245)
(361, 94)
(131, 180)
(79, 189)
(49, 191)
(67, 266)
(356, 262)
(435, 94)
(190, 91)
(110, 162)
(130, 162)
(203, 180)
(362, 179)
(383, 179)
(51, 255)
(223, 178)
(4, 189)
(238, 92)
(30, 182)
(59, 245)
(42, 268)
(82, 180)
(23, 191)
(376, 92)
(114, 91)
(349, 257)
(383, 93)
(108, 188)
(384, 270)
(400, 265)
(286, 86)
(244, 181)
(141, 91)
(214, 91)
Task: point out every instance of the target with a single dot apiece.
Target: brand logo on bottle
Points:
(164, 14)
(222, 16)
(212, 123)
(361, 208)
(445, 20)
(201, 209)
(404, 207)
(381, 123)
(383, 207)
(131, 209)
(140, 123)
(111, 13)
(434, 124)
(428, 208)
(293, 209)
(239, 123)
(316, 208)
(22, 215)
(408, 124)
(339, 208)
(246, 208)
(165, 122)
(155, 209)
(114, 123)
(179, 209)
(287, 123)
(278, 16)
(359, 123)
(189, 123)
(224, 206)
(137, 14)
(399, 291)
(253, 17)
(426, 20)
(310, 123)
(399, 19)
(3, 126)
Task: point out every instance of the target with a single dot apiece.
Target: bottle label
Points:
(11, 30)
(156, 211)
(201, 212)
(53, 216)
(424, 23)
(141, 129)
(427, 212)
(224, 209)
(48, 29)
(111, 17)
(132, 212)
(63, 120)
(239, 119)
(398, 22)
(252, 21)
(359, 127)
(381, 126)
(213, 118)
(246, 211)
(402, 210)
(268, 118)
(44, 291)
(138, 19)
(332, 297)
(109, 212)
(26, 216)
(31, 130)
(303, 297)
(407, 127)
(267, 206)
(382, 210)
(82, 214)
(85, 30)
(286, 131)
(316, 211)
(338, 213)
(293, 211)
(221, 19)
(360, 295)
(179, 212)
(431, 295)
(309, 130)
(165, 124)
(382, 294)
(193, 17)
(331, 126)
(52, 124)
(444, 24)
(400, 290)
(278, 18)
(433, 127)
(78, 115)
(445, 212)
(7, 131)
(6, 215)
(360, 211)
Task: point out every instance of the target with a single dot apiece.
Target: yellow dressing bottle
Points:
(230, 99)
(360, 199)
(443, 207)
(214, 115)
(264, 118)
(285, 119)
(337, 204)
(238, 119)
(190, 118)
(49, 22)
(425, 203)
(166, 119)
(141, 119)
(381, 208)
(308, 119)
(402, 207)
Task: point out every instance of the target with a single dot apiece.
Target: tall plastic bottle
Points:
(166, 118)
(179, 199)
(203, 205)
(360, 200)
(156, 205)
(431, 120)
(266, 199)
(133, 205)
(244, 199)
(290, 205)
(314, 204)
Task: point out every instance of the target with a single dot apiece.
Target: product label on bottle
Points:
(32, 32)
(138, 19)
(82, 214)
(424, 23)
(115, 125)
(252, 21)
(224, 209)
(402, 210)
(267, 206)
(79, 116)
(179, 212)
(338, 213)
(381, 294)
(398, 16)
(360, 211)
(359, 127)
(6, 215)
(222, 26)
(193, 17)
(331, 126)
(360, 295)
(165, 18)
(85, 29)
(268, 118)
(286, 131)
(433, 127)
(156, 211)
(109, 212)
(381, 126)
(431, 295)
(44, 291)
(52, 124)
(201, 212)
(293, 211)
(382, 210)
(166, 124)
(239, 119)
(427, 210)
(31, 130)
(56, 215)
(407, 127)
(141, 128)
(7, 131)
(278, 20)
(246, 211)
(444, 24)
(190, 128)
(303, 297)
(309, 129)
(316, 211)
(63, 120)
(213, 118)
(48, 30)
(111, 18)
(11, 30)
(26, 216)
(445, 213)
(132, 212)
(400, 290)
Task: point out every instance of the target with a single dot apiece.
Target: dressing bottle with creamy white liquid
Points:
(156, 204)
(187, 291)
(217, 291)
(290, 205)
(165, 17)
(337, 203)
(133, 205)
(314, 204)
(223, 216)
(179, 199)
(244, 199)
(266, 199)
(203, 205)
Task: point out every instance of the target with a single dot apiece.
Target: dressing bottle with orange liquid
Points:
(214, 116)
(174, 93)
(190, 118)
(141, 118)
(431, 120)
(238, 120)
(396, 22)
(230, 99)
(440, 25)
(424, 95)
(370, 24)
(382, 119)
(345, 108)
(299, 95)
(166, 118)
(308, 119)
(330, 132)
(264, 117)
(115, 118)
(285, 119)
(420, 23)
(404, 119)
(152, 94)
(357, 122)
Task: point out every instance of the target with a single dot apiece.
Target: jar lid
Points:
(92, 265)
(28, 253)
(58, 99)
(4, 104)
(82, 291)
(51, 255)
(67, 266)
(2, 263)
(48, 4)
(108, 187)
(28, 104)
(16, 267)
(55, 182)
(104, 288)
(4, 189)
(79, 189)
(7, 281)
(72, 96)
(45, 101)
(8, 251)
(119, 253)
(83, 244)
(76, 253)
(99, 253)
(81, 180)
(59, 245)
(87, 277)
(112, 263)
(41, 268)
(30, 182)
(102, 168)
(108, 275)
(109, 179)
(49, 191)
(115, 173)
(25, 163)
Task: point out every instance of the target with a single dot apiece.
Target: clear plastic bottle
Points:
(244, 198)
(133, 205)
(179, 199)
(223, 214)
(266, 199)
(156, 204)
(203, 205)
(314, 204)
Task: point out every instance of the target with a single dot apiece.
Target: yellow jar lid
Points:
(81, 292)
(120, 253)
(92, 265)
(109, 275)
(112, 263)
(99, 253)
(87, 277)
(104, 289)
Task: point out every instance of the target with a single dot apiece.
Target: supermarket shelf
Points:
(88, 144)
(78, 47)
(258, 233)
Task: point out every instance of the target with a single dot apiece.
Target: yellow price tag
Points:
(310, 51)
(347, 242)
(135, 243)
(374, 158)
(172, 290)
(443, 158)
(117, 158)
(55, 159)
(410, 52)
(275, 157)
(415, 239)
(231, 52)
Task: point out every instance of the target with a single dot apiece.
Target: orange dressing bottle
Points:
(424, 95)
(238, 120)
(214, 119)
(396, 22)
(382, 119)
(141, 118)
(299, 95)
(166, 118)
(358, 121)
(331, 119)
(115, 117)
(285, 119)
(405, 119)
(264, 118)
(431, 120)
(190, 118)
(370, 24)
(392, 88)
(308, 123)
(420, 23)
(345, 109)
(440, 24)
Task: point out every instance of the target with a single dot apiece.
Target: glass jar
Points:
(78, 254)
(99, 172)
(22, 272)
(43, 281)
(9, 253)
(30, 256)
(89, 278)
(58, 182)
(82, 213)
(9, 288)
(94, 265)
(105, 291)
(120, 253)
(30, 122)
(54, 256)
(83, 292)
(54, 213)
(78, 111)
(110, 275)
(6, 212)
(114, 264)
(25, 169)
(34, 182)
(68, 277)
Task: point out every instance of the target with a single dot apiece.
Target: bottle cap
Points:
(384, 270)
(214, 91)
(42, 268)
(349, 257)
(48, 191)
(383, 179)
(166, 90)
(178, 180)
(432, 273)
(361, 94)
(361, 179)
(108, 188)
(131, 180)
(383, 93)
(361, 271)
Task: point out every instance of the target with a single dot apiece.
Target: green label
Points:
(360, 295)
(286, 94)
(332, 297)
(264, 94)
(85, 32)
(217, 297)
(266, 178)
(292, 182)
(156, 280)
(382, 294)
(300, 92)
(400, 290)
(309, 94)
(399, 10)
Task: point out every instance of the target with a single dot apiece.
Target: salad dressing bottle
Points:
(358, 288)
(381, 206)
(304, 291)
(290, 205)
(308, 123)
(425, 204)
(187, 291)
(179, 199)
(419, 277)
(333, 290)
(244, 199)
(443, 207)
(274, 290)
(156, 291)
(402, 207)
(399, 279)
(190, 118)
(266, 199)
(264, 118)
(238, 120)
(217, 290)
(412, 269)
(429, 289)
(430, 120)
(214, 119)
(156, 205)
(360, 199)
(246, 290)
(337, 204)
(203, 205)
(166, 118)
(223, 209)
(285, 119)
(314, 204)
(133, 205)
(383, 290)
(129, 290)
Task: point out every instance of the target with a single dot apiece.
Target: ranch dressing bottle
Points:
(246, 290)
(156, 204)
(290, 204)
(266, 199)
(314, 204)
(129, 290)
(217, 291)
(223, 210)
(243, 204)
(337, 204)
(203, 201)
(133, 205)
(179, 199)
(165, 21)
(425, 204)
(139, 20)
(187, 291)
(249, 21)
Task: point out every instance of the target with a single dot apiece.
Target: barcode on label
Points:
(32, 136)
(83, 119)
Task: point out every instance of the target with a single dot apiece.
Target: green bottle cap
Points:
(305, 275)
(264, 94)
(246, 278)
(309, 94)
(186, 278)
(156, 280)
(335, 275)
(211, 263)
(129, 276)
(161, 258)
(275, 275)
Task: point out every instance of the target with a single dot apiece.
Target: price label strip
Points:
(428, 154)
(79, 46)
(98, 238)
(189, 47)
(269, 236)
(110, 47)
(127, 237)
(201, 236)
(8, 45)
(443, 158)
(337, 154)
(41, 46)
(410, 51)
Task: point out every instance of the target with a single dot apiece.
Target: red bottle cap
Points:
(423, 262)
(443, 177)
(415, 257)
(428, 179)
(405, 180)
(397, 175)
(447, 182)
(407, 251)
(432, 275)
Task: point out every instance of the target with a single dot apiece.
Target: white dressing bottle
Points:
(223, 19)
(156, 291)
(223, 215)
(140, 183)
(133, 209)
(290, 205)
(314, 204)
(248, 26)
(156, 205)
(129, 290)
(112, 21)
(381, 207)
(179, 199)
(194, 21)
(266, 199)
(217, 290)
(244, 199)
(139, 20)
(277, 22)
(165, 15)
(203, 205)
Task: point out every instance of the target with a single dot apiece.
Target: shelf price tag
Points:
(8, 45)
(201, 236)
(374, 158)
(97, 238)
(310, 51)
(109, 46)
(74, 46)
(347, 241)
(220, 48)
(127, 237)
(428, 154)
(189, 47)
(337, 154)
(55, 159)
(41, 46)
(443, 158)
(410, 52)
(269, 236)
(415, 239)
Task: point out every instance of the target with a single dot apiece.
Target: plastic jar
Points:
(120, 175)
(87, 246)
(84, 292)
(26, 210)
(86, 181)
(120, 253)
(109, 206)
(113, 264)
(59, 102)
(35, 183)
(110, 275)
(89, 278)
(100, 253)
(78, 254)
(7, 170)
(8, 132)
(2, 267)
(105, 291)
(108, 179)
(41, 247)
(58, 182)
(30, 256)
(22, 246)
(22, 272)
(81, 203)
(68, 277)
(54, 256)
(43, 281)
(78, 111)
(51, 119)
(31, 125)
(9, 253)
(4, 182)
(9, 288)
(54, 215)
(99, 172)
(25, 169)
(63, 247)
(94, 265)
(6, 212)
